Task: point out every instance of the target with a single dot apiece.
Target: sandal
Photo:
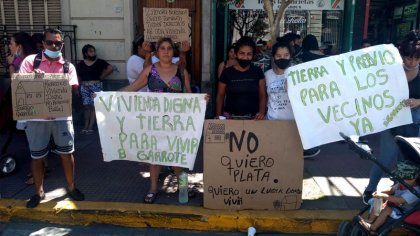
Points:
(367, 226)
(150, 198)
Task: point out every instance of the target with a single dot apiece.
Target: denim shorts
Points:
(39, 133)
(87, 88)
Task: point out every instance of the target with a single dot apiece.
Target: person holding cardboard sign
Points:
(163, 76)
(39, 131)
(243, 84)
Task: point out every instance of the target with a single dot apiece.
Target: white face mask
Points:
(52, 54)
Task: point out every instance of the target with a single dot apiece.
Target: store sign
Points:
(296, 5)
(295, 20)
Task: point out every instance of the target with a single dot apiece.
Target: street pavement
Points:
(332, 187)
(24, 228)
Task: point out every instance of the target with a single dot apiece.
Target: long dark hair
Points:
(310, 43)
(409, 47)
(245, 41)
(25, 40)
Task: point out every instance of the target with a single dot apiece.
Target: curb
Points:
(176, 217)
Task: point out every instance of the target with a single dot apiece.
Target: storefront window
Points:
(322, 18)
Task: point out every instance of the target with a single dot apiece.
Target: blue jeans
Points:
(388, 150)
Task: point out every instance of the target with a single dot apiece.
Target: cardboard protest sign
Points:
(357, 93)
(166, 22)
(252, 165)
(158, 128)
(36, 95)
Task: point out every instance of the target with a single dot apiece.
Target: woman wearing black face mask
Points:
(278, 105)
(243, 85)
(90, 72)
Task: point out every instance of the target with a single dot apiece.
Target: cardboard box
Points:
(37, 95)
(252, 165)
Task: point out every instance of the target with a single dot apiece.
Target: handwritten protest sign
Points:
(166, 22)
(252, 165)
(37, 95)
(357, 93)
(158, 128)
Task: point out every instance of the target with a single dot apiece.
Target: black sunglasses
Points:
(56, 43)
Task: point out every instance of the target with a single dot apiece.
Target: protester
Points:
(163, 76)
(39, 131)
(37, 39)
(278, 102)
(230, 60)
(241, 88)
(90, 72)
(310, 49)
(389, 151)
(141, 58)
(398, 199)
(310, 52)
(20, 46)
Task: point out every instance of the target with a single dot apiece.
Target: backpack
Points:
(38, 59)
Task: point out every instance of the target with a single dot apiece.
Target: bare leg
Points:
(380, 220)
(67, 161)
(92, 117)
(86, 116)
(37, 167)
(154, 176)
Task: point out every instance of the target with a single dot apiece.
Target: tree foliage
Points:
(273, 18)
(249, 23)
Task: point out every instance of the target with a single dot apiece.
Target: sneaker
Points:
(35, 200)
(367, 195)
(76, 195)
(311, 152)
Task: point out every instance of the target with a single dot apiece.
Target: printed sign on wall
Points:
(357, 93)
(36, 95)
(252, 165)
(158, 128)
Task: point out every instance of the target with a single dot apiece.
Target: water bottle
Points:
(377, 206)
(183, 188)
(251, 231)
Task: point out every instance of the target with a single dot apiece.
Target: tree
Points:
(249, 23)
(273, 18)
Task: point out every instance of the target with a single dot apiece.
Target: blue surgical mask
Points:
(52, 54)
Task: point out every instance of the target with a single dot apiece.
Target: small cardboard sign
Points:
(252, 165)
(37, 96)
(166, 22)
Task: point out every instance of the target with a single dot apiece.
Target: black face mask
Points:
(282, 63)
(243, 63)
(91, 58)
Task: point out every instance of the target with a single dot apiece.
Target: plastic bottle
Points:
(251, 231)
(183, 188)
(377, 206)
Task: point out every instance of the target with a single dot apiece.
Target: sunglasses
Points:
(56, 43)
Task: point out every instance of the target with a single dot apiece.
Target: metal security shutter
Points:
(30, 12)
